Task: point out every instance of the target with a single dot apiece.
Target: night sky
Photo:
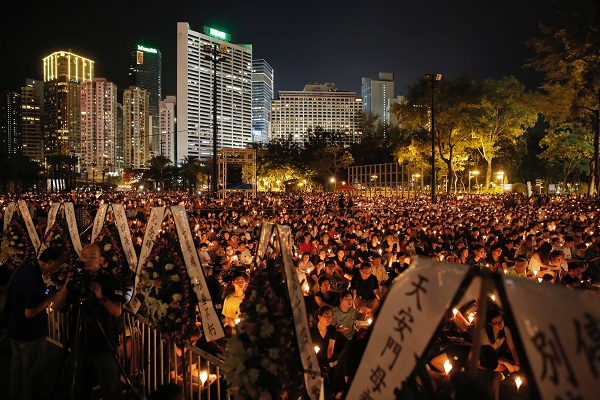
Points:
(305, 41)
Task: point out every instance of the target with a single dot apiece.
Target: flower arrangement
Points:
(56, 236)
(166, 293)
(16, 245)
(262, 358)
(111, 250)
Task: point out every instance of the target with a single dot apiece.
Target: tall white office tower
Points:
(98, 128)
(262, 95)
(319, 106)
(167, 116)
(376, 94)
(195, 71)
(136, 128)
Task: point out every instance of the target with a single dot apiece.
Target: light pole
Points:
(332, 180)
(433, 78)
(476, 174)
(214, 54)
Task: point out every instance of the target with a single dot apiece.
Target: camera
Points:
(81, 280)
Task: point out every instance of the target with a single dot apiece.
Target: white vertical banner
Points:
(312, 372)
(409, 317)
(157, 215)
(33, 235)
(99, 221)
(8, 214)
(560, 332)
(263, 243)
(72, 226)
(125, 234)
(211, 323)
(52, 213)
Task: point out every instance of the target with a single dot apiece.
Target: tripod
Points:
(74, 343)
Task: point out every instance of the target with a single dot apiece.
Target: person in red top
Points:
(307, 246)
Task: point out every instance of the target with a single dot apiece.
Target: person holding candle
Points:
(499, 337)
(231, 305)
(325, 297)
(323, 336)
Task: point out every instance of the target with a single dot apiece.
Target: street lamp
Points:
(475, 174)
(500, 175)
(215, 55)
(433, 78)
(332, 180)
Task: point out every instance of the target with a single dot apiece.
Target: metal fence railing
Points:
(151, 361)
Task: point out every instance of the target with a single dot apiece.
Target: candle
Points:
(447, 367)
(471, 317)
(237, 321)
(493, 298)
(518, 383)
(454, 311)
(203, 377)
(317, 348)
(369, 321)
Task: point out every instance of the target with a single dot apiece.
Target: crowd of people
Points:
(348, 250)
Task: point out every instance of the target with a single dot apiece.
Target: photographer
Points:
(27, 324)
(99, 296)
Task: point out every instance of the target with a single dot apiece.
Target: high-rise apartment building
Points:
(32, 108)
(10, 124)
(167, 127)
(98, 128)
(296, 113)
(63, 73)
(262, 95)
(195, 71)
(145, 72)
(136, 128)
(376, 94)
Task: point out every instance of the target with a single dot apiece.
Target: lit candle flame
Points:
(493, 297)
(540, 280)
(317, 348)
(447, 367)
(471, 317)
(535, 272)
(369, 321)
(203, 377)
(237, 321)
(518, 383)
(454, 311)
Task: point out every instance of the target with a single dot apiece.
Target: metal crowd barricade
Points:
(151, 361)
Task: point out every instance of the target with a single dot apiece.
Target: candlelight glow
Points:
(454, 311)
(203, 377)
(518, 383)
(317, 348)
(471, 317)
(447, 367)
(493, 297)
(237, 321)
(369, 321)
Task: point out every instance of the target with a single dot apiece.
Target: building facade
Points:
(195, 72)
(32, 108)
(63, 73)
(145, 72)
(10, 125)
(377, 94)
(296, 113)
(136, 128)
(262, 96)
(167, 127)
(98, 128)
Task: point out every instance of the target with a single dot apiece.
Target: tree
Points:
(157, 169)
(454, 100)
(569, 145)
(331, 159)
(502, 114)
(569, 56)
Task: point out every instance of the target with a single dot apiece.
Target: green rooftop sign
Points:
(147, 49)
(217, 34)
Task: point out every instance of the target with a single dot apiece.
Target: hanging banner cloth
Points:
(33, 235)
(211, 323)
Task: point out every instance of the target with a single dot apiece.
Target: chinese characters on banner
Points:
(33, 236)
(211, 322)
(310, 363)
(99, 221)
(560, 331)
(408, 318)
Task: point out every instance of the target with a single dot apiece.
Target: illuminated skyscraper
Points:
(98, 127)
(262, 95)
(195, 93)
(145, 72)
(32, 106)
(136, 128)
(167, 127)
(376, 94)
(296, 113)
(63, 73)
(10, 124)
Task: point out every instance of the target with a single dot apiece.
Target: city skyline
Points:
(321, 42)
